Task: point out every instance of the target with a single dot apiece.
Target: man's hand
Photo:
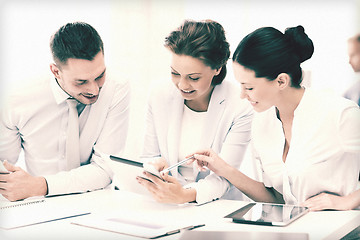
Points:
(19, 184)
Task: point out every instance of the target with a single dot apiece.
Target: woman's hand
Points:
(209, 159)
(167, 191)
(324, 201)
(159, 163)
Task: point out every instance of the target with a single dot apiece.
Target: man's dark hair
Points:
(75, 40)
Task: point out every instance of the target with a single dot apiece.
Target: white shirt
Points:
(35, 120)
(324, 154)
(226, 130)
(190, 140)
(353, 92)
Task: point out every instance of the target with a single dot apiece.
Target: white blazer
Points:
(226, 131)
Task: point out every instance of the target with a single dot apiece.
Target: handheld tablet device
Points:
(267, 214)
(146, 166)
(125, 173)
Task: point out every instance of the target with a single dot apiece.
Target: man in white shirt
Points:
(353, 92)
(62, 151)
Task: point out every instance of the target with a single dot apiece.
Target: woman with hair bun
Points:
(197, 109)
(305, 143)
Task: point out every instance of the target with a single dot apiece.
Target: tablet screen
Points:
(267, 214)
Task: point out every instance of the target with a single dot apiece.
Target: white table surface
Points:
(318, 225)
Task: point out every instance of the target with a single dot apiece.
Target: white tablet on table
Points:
(267, 214)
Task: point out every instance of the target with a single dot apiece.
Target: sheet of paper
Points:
(134, 227)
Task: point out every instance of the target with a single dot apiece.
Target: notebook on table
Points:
(30, 212)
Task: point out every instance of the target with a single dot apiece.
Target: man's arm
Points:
(111, 140)
(18, 184)
(10, 140)
(95, 175)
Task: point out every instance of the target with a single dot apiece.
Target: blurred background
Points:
(133, 33)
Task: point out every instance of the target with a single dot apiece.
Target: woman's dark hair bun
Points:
(300, 42)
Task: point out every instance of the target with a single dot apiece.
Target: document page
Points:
(134, 227)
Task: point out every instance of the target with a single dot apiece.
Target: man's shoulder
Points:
(115, 91)
(353, 90)
(115, 84)
(29, 90)
(116, 81)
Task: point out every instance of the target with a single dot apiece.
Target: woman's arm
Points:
(252, 188)
(331, 201)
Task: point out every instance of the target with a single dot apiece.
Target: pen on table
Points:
(195, 226)
(166, 170)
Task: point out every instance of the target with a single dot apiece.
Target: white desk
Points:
(319, 225)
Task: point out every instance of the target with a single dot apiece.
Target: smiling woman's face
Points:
(260, 92)
(192, 77)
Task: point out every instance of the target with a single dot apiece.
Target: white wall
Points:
(133, 33)
(329, 23)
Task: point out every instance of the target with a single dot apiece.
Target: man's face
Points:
(354, 54)
(82, 79)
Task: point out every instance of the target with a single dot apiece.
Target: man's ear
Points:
(55, 70)
(283, 80)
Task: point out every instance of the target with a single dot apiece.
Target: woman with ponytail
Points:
(305, 143)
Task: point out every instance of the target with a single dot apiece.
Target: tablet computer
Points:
(267, 214)
(125, 173)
